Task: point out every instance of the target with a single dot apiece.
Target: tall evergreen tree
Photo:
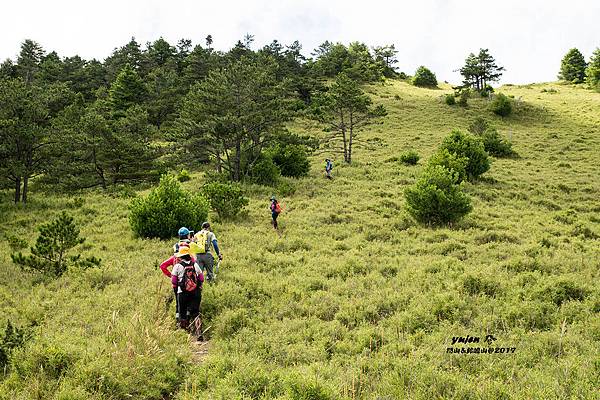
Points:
(8, 69)
(471, 72)
(51, 68)
(592, 72)
(234, 112)
(165, 90)
(26, 111)
(490, 71)
(480, 70)
(99, 150)
(130, 53)
(128, 89)
(386, 55)
(157, 54)
(572, 67)
(29, 60)
(197, 65)
(345, 109)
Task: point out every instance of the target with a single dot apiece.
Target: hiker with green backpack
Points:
(187, 277)
(205, 240)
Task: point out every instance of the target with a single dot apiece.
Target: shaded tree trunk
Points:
(237, 167)
(17, 189)
(349, 160)
(25, 187)
(219, 168)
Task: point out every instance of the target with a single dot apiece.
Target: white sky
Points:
(527, 37)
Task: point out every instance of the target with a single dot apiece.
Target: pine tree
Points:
(234, 112)
(197, 65)
(159, 53)
(96, 149)
(128, 89)
(345, 109)
(8, 69)
(386, 55)
(28, 62)
(572, 67)
(51, 69)
(128, 54)
(490, 71)
(592, 73)
(165, 90)
(127, 150)
(26, 111)
(471, 72)
(480, 70)
(50, 252)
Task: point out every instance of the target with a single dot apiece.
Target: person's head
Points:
(273, 198)
(184, 253)
(184, 233)
(206, 226)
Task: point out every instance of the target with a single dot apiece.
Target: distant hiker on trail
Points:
(275, 211)
(205, 239)
(328, 168)
(188, 278)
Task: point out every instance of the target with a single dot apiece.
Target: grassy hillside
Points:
(354, 301)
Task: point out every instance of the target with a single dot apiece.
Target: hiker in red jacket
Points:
(188, 279)
(164, 267)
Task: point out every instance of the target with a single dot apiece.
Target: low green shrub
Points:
(470, 147)
(285, 188)
(167, 208)
(226, 199)
(12, 338)
(183, 176)
(475, 285)
(291, 159)
(478, 126)
(15, 242)
(435, 198)
(463, 96)
(424, 78)
(265, 171)
(501, 105)
(563, 290)
(452, 162)
(410, 157)
(495, 145)
(301, 387)
(450, 99)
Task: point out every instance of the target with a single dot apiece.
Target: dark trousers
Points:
(188, 304)
(274, 215)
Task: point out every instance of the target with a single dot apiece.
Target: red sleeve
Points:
(164, 266)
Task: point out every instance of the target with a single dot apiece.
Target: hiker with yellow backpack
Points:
(205, 240)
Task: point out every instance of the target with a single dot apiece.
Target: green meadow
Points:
(354, 300)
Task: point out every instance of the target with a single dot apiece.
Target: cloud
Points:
(527, 37)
